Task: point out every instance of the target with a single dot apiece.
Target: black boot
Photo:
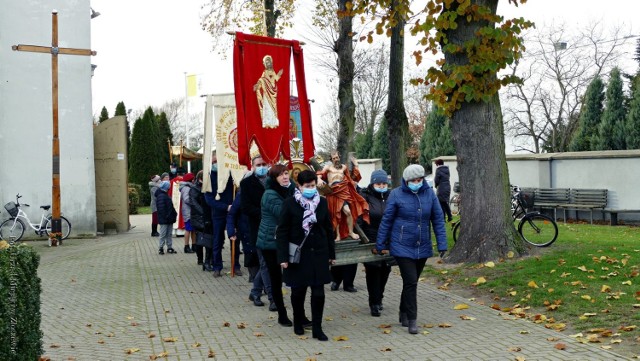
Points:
(317, 309)
(208, 260)
(199, 254)
(154, 230)
(403, 319)
(297, 303)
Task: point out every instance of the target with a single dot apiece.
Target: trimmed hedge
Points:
(20, 334)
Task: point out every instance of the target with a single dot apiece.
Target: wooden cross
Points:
(54, 50)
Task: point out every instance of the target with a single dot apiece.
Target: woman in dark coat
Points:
(305, 218)
(377, 273)
(441, 181)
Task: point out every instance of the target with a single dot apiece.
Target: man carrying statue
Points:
(345, 204)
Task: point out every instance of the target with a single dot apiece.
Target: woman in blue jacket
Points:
(412, 209)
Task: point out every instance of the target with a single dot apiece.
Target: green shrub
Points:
(20, 334)
(134, 198)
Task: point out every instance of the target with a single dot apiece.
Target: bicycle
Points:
(13, 228)
(535, 228)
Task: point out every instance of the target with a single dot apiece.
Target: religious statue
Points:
(267, 92)
(345, 204)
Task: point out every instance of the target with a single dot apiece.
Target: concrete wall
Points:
(26, 115)
(616, 171)
(112, 174)
(366, 167)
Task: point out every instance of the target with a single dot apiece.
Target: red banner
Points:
(262, 91)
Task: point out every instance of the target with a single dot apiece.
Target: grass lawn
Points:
(586, 282)
(144, 210)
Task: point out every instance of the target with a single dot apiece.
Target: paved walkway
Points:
(104, 296)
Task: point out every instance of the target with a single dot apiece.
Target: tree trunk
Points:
(347, 107)
(487, 231)
(270, 18)
(396, 116)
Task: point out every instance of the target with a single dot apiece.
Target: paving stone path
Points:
(104, 296)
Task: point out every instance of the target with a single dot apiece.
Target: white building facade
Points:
(26, 111)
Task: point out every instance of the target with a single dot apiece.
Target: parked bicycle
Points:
(535, 228)
(13, 228)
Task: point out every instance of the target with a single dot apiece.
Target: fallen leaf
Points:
(134, 324)
(129, 317)
(605, 347)
(197, 344)
(328, 319)
(520, 358)
(514, 349)
(384, 325)
(565, 274)
(628, 283)
(54, 345)
(258, 334)
(524, 332)
(532, 284)
(481, 280)
(490, 264)
(428, 325)
(170, 339)
(513, 293)
(241, 326)
(560, 346)
(605, 289)
(101, 341)
(586, 297)
(593, 338)
(386, 349)
(628, 328)
(467, 318)
(576, 335)
(211, 354)
(425, 332)
(129, 351)
(552, 339)
(341, 338)
(226, 324)
(461, 306)
(111, 334)
(582, 268)
(43, 358)
(444, 325)
(386, 331)
(510, 254)
(151, 335)
(88, 325)
(615, 341)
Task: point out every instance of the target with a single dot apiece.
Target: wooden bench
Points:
(551, 198)
(613, 219)
(585, 199)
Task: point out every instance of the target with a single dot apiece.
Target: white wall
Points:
(616, 171)
(26, 110)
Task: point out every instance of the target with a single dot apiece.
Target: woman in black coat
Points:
(443, 186)
(305, 218)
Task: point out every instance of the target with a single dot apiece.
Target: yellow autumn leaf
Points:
(605, 289)
(341, 338)
(532, 284)
(461, 306)
(170, 339)
(258, 334)
(490, 264)
(386, 331)
(510, 254)
(615, 341)
(444, 325)
(481, 280)
(4, 244)
(197, 344)
(513, 293)
(585, 297)
(605, 347)
(129, 351)
(628, 283)
(467, 318)
(524, 332)
(425, 332)
(582, 268)
(520, 358)
(589, 314)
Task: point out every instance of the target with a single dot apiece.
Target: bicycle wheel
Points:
(12, 230)
(456, 232)
(65, 227)
(454, 204)
(538, 229)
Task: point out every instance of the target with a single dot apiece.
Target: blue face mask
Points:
(381, 190)
(309, 192)
(414, 186)
(261, 171)
(173, 170)
(214, 167)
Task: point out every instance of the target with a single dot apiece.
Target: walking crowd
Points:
(287, 236)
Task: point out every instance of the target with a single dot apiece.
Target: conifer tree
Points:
(122, 110)
(632, 124)
(104, 115)
(165, 137)
(144, 159)
(364, 143)
(611, 132)
(436, 139)
(380, 147)
(590, 117)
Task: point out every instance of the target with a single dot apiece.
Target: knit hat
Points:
(165, 174)
(155, 178)
(379, 176)
(188, 177)
(164, 185)
(412, 172)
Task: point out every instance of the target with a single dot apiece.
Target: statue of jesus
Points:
(345, 204)
(267, 92)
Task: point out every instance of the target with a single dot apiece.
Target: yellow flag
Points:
(192, 86)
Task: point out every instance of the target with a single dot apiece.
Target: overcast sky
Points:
(145, 46)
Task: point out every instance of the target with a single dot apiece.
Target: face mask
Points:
(214, 167)
(414, 186)
(261, 171)
(309, 192)
(173, 170)
(380, 189)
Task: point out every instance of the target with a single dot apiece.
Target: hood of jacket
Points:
(184, 184)
(444, 170)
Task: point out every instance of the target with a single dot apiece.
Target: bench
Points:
(585, 199)
(613, 220)
(551, 198)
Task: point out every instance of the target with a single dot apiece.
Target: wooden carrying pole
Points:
(54, 50)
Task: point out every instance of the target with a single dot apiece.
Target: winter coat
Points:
(185, 189)
(251, 194)
(318, 249)
(219, 206)
(166, 213)
(377, 203)
(237, 221)
(407, 221)
(200, 210)
(270, 208)
(441, 181)
(153, 187)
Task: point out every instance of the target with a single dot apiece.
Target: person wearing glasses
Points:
(405, 231)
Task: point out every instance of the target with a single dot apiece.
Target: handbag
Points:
(295, 251)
